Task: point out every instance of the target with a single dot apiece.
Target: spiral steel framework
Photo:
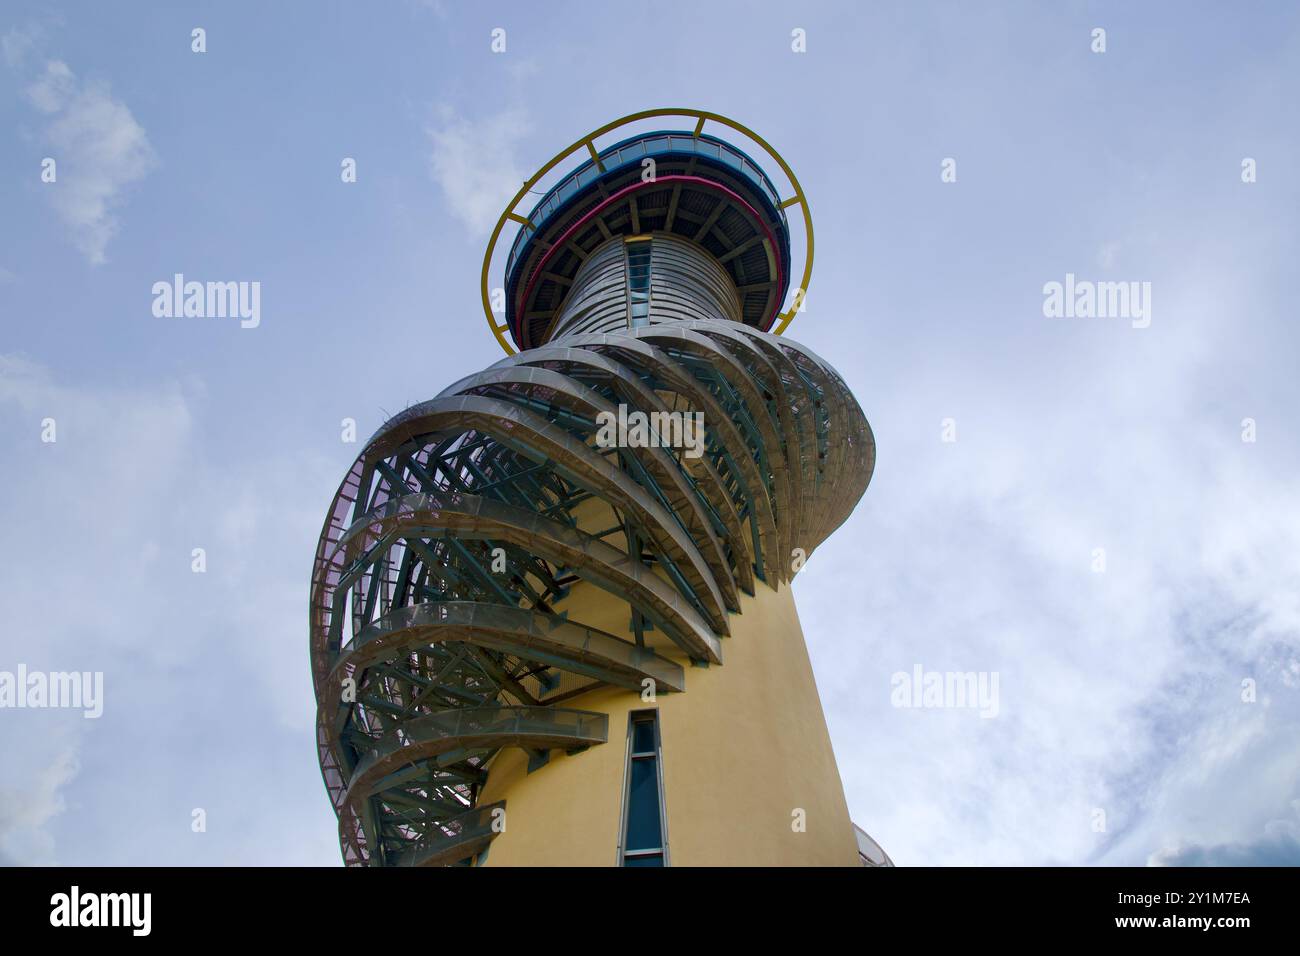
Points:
(450, 555)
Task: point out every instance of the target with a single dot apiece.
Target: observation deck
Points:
(700, 188)
(684, 184)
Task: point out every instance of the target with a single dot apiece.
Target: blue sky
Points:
(1119, 691)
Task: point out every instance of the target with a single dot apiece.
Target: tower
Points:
(550, 614)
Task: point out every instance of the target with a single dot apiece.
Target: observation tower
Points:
(550, 614)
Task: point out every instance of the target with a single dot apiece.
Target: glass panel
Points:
(643, 737)
(643, 805)
(655, 860)
(638, 282)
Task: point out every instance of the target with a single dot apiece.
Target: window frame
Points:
(637, 297)
(651, 716)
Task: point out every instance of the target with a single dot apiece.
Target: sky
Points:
(1102, 513)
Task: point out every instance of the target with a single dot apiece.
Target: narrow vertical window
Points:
(644, 836)
(638, 282)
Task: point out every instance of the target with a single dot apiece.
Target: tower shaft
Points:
(551, 610)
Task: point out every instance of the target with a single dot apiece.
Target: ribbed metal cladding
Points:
(686, 283)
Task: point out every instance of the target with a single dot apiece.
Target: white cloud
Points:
(32, 798)
(474, 163)
(107, 516)
(78, 502)
(1119, 691)
(438, 8)
(1109, 253)
(1278, 846)
(17, 43)
(99, 147)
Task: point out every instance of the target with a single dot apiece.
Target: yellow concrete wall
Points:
(743, 747)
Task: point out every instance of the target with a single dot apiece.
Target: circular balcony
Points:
(750, 232)
(633, 151)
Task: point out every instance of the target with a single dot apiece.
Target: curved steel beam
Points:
(442, 732)
(513, 630)
(472, 516)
